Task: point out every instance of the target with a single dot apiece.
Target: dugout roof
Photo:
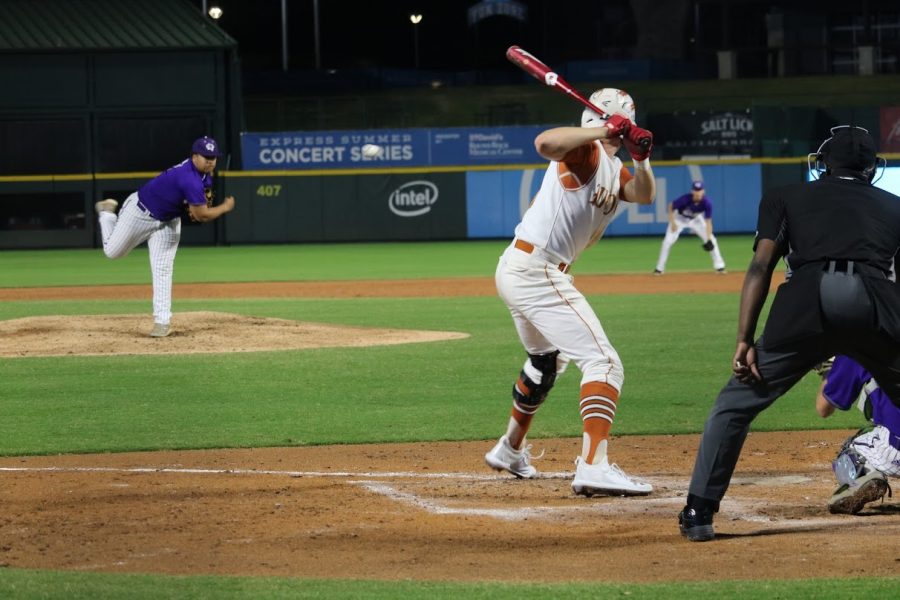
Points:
(77, 25)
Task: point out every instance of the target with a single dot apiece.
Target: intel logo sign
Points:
(413, 199)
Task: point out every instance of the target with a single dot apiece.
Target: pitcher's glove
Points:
(210, 196)
(708, 245)
(824, 368)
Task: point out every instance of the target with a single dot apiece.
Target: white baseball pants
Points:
(550, 314)
(697, 224)
(134, 226)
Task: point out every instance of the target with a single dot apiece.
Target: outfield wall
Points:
(385, 204)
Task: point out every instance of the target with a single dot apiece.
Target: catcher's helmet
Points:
(849, 151)
(611, 100)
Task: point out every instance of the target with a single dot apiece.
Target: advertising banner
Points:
(890, 129)
(704, 133)
(496, 200)
(454, 146)
(325, 208)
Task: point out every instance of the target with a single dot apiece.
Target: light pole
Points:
(316, 33)
(415, 19)
(284, 36)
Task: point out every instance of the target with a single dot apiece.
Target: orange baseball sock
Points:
(519, 423)
(598, 410)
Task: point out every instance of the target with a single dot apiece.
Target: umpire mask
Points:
(849, 152)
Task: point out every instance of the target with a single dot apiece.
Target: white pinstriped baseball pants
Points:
(875, 446)
(697, 224)
(133, 227)
(550, 314)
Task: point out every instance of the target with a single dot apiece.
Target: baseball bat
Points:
(532, 65)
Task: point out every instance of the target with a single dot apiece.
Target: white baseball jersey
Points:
(575, 204)
(573, 207)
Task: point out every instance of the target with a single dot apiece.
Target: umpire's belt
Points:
(852, 268)
(528, 248)
(839, 266)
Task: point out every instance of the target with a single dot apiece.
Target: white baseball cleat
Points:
(503, 457)
(159, 330)
(607, 479)
(108, 205)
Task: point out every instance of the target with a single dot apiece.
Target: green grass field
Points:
(676, 351)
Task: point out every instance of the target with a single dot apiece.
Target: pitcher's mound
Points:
(192, 332)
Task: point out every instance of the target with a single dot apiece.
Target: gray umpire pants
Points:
(849, 329)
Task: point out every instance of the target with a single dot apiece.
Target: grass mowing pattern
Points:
(325, 262)
(119, 403)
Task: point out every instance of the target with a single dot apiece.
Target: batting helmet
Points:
(611, 100)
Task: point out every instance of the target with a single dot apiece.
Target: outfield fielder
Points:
(153, 214)
(691, 211)
(577, 200)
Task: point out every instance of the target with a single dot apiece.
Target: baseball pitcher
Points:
(870, 455)
(691, 211)
(581, 189)
(153, 215)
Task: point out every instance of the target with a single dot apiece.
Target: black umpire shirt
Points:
(831, 219)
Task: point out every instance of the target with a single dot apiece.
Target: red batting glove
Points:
(617, 125)
(633, 138)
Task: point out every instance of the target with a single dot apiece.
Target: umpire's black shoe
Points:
(696, 524)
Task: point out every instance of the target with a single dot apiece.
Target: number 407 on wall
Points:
(269, 190)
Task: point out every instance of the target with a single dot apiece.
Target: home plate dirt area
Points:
(434, 511)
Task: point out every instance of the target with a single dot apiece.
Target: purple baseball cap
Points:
(206, 146)
(697, 185)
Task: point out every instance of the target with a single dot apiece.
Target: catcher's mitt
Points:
(708, 245)
(824, 368)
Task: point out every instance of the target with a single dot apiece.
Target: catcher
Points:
(871, 454)
(691, 211)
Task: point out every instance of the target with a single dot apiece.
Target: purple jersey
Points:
(164, 194)
(847, 381)
(686, 207)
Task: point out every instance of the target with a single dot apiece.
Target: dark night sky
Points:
(379, 33)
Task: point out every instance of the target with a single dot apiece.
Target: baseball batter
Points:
(691, 211)
(581, 189)
(872, 454)
(153, 215)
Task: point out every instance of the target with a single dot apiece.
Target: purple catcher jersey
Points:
(847, 380)
(685, 206)
(163, 195)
